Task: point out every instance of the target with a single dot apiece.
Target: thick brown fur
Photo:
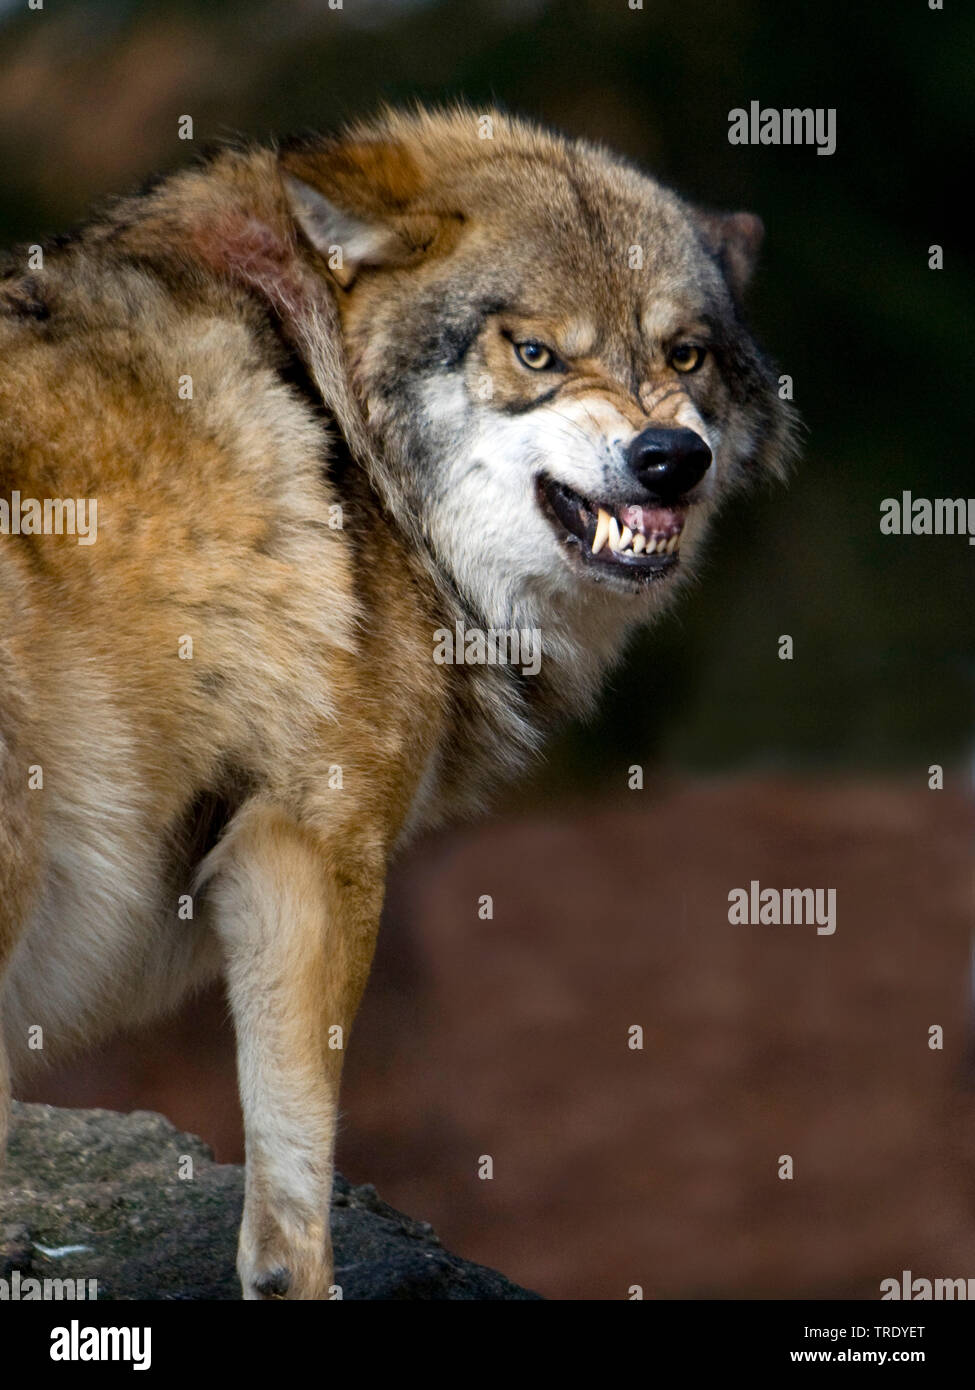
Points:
(270, 775)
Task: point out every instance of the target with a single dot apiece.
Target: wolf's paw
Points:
(297, 1266)
(272, 1283)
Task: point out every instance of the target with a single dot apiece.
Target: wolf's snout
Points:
(668, 462)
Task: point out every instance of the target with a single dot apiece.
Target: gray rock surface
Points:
(110, 1183)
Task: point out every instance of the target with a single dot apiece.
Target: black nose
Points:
(668, 462)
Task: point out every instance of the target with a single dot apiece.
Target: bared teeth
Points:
(621, 539)
(602, 531)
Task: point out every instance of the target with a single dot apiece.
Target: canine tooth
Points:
(672, 544)
(625, 537)
(602, 531)
(614, 534)
(639, 544)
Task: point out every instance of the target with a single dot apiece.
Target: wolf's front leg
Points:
(297, 919)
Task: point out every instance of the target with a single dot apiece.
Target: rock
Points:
(91, 1194)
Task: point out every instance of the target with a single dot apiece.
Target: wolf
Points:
(441, 371)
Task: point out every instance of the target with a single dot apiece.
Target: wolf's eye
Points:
(687, 357)
(535, 355)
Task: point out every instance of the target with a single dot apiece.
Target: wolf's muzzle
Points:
(668, 462)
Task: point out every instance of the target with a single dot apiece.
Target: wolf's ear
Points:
(345, 242)
(352, 202)
(735, 238)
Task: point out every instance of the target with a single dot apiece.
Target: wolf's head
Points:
(548, 348)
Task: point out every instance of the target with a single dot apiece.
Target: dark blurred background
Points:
(654, 1167)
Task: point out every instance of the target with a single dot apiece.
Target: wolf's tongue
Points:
(652, 521)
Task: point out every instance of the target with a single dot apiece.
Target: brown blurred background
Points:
(509, 1037)
(656, 1167)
